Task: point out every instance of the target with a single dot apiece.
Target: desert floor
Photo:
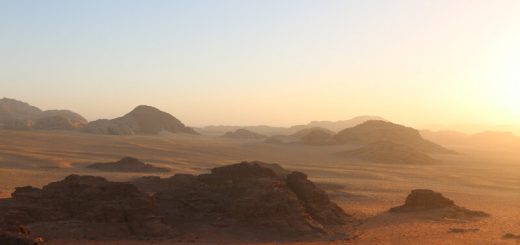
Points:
(477, 178)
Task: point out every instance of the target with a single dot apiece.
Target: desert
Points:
(365, 190)
(260, 122)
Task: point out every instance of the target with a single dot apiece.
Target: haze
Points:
(267, 62)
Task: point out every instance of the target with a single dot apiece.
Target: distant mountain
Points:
(11, 109)
(308, 136)
(16, 114)
(374, 131)
(306, 131)
(336, 126)
(141, 120)
(333, 126)
(243, 134)
(487, 138)
(74, 117)
(217, 130)
(389, 152)
(318, 137)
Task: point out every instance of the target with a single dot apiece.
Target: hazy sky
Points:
(267, 62)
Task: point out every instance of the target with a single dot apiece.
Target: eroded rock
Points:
(92, 201)
(244, 201)
(423, 200)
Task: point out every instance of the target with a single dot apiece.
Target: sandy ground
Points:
(480, 179)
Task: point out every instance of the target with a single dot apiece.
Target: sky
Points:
(267, 61)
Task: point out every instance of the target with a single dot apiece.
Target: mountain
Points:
(333, 126)
(336, 126)
(141, 120)
(375, 130)
(216, 130)
(306, 131)
(74, 117)
(389, 152)
(16, 114)
(11, 109)
(308, 136)
(243, 134)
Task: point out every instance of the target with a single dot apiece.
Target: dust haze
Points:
(364, 180)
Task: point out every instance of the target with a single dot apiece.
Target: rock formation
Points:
(243, 134)
(142, 120)
(22, 116)
(127, 164)
(335, 126)
(84, 206)
(423, 200)
(252, 195)
(57, 122)
(318, 137)
(11, 109)
(389, 152)
(245, 201)
(374, 131)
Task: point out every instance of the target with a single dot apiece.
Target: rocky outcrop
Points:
(335, 126)
(388, 152)
(244, 201)
(127, 164)
(56, 122)
(250, 195)
(84, 206)
(423, 200)
(142, 120)
(318, 137)
(22, 116)
(243, 134)
(105, 126)
(308, 136)
(11, 109)
(375, 131)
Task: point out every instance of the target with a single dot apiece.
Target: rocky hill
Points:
(333, 126)
(11, 109)
(245, 201)
(141, 120)
(16, 114)
(336, 126)
(243, 134)
(375, 131)
(435, 205)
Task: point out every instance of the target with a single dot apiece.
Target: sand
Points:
(479, 179)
